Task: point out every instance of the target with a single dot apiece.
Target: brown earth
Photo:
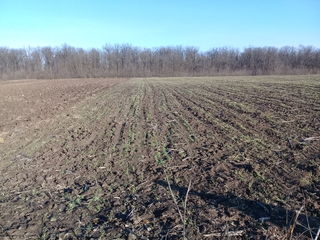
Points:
(25, 101)
(115, 159)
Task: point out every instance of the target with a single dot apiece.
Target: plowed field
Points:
(160, 158)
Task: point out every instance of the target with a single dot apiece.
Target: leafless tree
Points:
(128, 61)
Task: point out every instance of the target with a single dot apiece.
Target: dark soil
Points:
(117, 159)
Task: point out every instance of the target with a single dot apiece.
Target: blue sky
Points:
(150, 23)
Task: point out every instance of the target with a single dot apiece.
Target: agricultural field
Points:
(160, 158)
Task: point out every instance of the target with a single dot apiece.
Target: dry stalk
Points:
(318, 234)
(308, 228)
(294, 223)
(227, 234)
(181, 215)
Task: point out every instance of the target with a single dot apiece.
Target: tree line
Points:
(129, 61)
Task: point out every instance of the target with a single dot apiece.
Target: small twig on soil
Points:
(310, 139)
(172, 150)
(262, 219)
(228, 234)
(289, 121)
(185, 159)
(178, 166)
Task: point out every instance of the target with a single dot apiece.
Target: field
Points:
(160, 158)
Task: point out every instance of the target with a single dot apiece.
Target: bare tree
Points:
(128, 61)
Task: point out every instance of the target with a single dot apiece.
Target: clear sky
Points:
(152, 23)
